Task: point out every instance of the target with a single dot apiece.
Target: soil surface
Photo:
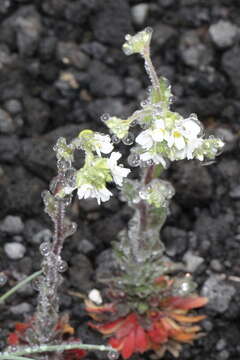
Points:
(61, 67)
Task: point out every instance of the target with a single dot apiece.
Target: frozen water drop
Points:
(143, 193)
(53, 185)
(62, 266)
(105, 117)
(45, 248)
(133, 123)
(144, 103)
(128, 37)
(128, 139)
(70, 229)
(63, 165)
(134, 160)
(12, 348)
(36, 283)
(71, 177)
(127, 50)
(149, 162)
(148, 30)
(3, 279)
(67, 200)
(113, 355)
(115, 139)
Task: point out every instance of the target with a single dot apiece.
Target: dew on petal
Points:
(128, 139)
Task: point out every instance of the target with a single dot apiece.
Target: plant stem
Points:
(51, 348)
(13, 357)
(58, 237)
(19, 285)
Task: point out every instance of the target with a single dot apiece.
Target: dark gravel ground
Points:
(61, 67)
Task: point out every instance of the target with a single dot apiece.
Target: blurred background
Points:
(61, 67)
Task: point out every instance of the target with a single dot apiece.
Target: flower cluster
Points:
(62, 331)
(166, 135)
(163, 327)
(91, 180)
(172, 137)
(137, 43)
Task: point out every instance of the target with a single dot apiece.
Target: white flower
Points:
(177, 139)
(95, 296)
(192, 127)
(156, 158)
(148, 137)
(184, 134)
(118, 172)
(192, 145)
(102, 144)
(89, 191)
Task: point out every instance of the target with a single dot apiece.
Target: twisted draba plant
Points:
(46, 330)
(147, 306)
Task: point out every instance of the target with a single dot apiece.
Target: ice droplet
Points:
(53, 184)
(133, 123)
(3, 279)
(12, 348)
(128, 139)
(67, 199)
(144, 103)
(36, 283)
(105, 117)
(115, 139)
(71, 177)
(62, 266)
(45, 248)
(148, 30)
(134, 160)
(149, 162)
(63, 165)
(143, 193)
(70, 229)
(113, 355)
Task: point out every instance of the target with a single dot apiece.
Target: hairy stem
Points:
(52, 348)
(58, 237)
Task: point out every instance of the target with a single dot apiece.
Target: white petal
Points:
(82, 191)
(119, 173)
(158, 135)
(159, 124)
(156, 158)
(170, 140)
(179, 142)
(103, 144)
(104, 194)
(145, 139)
(114, 157)
(192, 127)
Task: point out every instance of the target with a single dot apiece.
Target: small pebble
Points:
(139, 13)
(223, 355)
(221, 344)
(12, 225)
(14, 250)
(21, 308)
(42, 236)
(223, 33)
(216, 265)
(192, 261)
(235, 192)
(85, 246)
(6, 123)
